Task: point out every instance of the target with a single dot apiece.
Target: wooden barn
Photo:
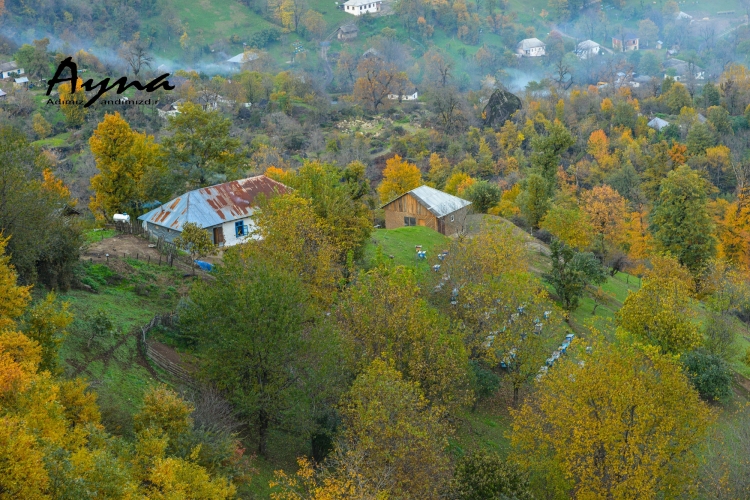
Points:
(425, 206)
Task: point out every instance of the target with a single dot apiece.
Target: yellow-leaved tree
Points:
(660, 312)
(399, 176)
(392, 446)
(622, 424)
(131, 168)
(71, 103)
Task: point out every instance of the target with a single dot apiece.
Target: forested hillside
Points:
(428, 261)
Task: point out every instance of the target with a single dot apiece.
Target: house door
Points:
(441, 226)
(219, 236)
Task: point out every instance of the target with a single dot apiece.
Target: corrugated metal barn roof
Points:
(436, 201)
(214, 205)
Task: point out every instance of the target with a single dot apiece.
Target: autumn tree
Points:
(399, 177)
(571, 226)
(131, 168)
(391, 436)
(606, 211)
(314, 23)
(71, 103)
(377, 79)
(626, 427)
(438, 66)
(383, 315)
(534, 200)
(42, 127)
(196, 241)
(681, 222)
(135, 54)
(660, 313)
(201, 149)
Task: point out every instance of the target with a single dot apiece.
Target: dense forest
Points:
(583, 334)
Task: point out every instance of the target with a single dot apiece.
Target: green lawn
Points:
(400, 243)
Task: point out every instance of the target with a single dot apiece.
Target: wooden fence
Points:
(152, 355)
(165, 247)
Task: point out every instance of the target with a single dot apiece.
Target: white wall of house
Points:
(532, 52)
(359, 10)
(230, 234)
(405, 97)
(14, 72)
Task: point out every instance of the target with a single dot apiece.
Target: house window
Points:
(240, 229)
(410, 221)
(453, 218)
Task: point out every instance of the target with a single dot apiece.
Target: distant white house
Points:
(658, 124)
(168, 110)
(243, 58)
(10, 69)
(359, 7)
(530, 47)
(683, 69)
(587, 48)
(410, 94)
(682, 15)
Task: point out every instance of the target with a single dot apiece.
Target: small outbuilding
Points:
(408, 94)
(347, 32)
(429, 207)
(224, 210)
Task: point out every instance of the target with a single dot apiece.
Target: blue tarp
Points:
(206, 266)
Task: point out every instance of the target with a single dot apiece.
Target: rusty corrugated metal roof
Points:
(214, 205)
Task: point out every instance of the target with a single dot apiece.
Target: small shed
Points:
(2, 93)
(347, 32)
(21, 82)
(429, 207)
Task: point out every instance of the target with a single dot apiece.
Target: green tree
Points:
(201, 149)
(49, 254)
(677, 97)
(483, 195)
(196, 241)
(699, 139)
(534, 200)
(649, 64)
(719, 118)
(547, 151)
(681, 223)
(719, 336)
(482, 475)
(571, 272)
(248, 326)
(34, 58)
(709, 374)
(710, 95)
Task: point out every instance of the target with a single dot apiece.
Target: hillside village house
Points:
(359, 7)
(224, 210)
(658, 124)
(587, 48)
(429, 207)
(624, 43)
(243, 57)
(10, 70)
(530, 47)
(409, 94)
(683, 69)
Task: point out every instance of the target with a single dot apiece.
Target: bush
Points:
(709, 374)
(482, 475)
(747, 357)
(264, 37)
(486, 382)
(520, 221)
(544, 236)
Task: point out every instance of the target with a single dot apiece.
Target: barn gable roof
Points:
(214, 205)
(437, 202)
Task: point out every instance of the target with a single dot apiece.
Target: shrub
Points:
(709, 374)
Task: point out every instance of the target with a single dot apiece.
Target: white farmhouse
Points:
(410, 94)
(530, 47)
(359, 7)
(587, 48)
(10, 69)
(224, 210)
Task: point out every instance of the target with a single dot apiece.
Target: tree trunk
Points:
(262, 433)
(515, 396)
